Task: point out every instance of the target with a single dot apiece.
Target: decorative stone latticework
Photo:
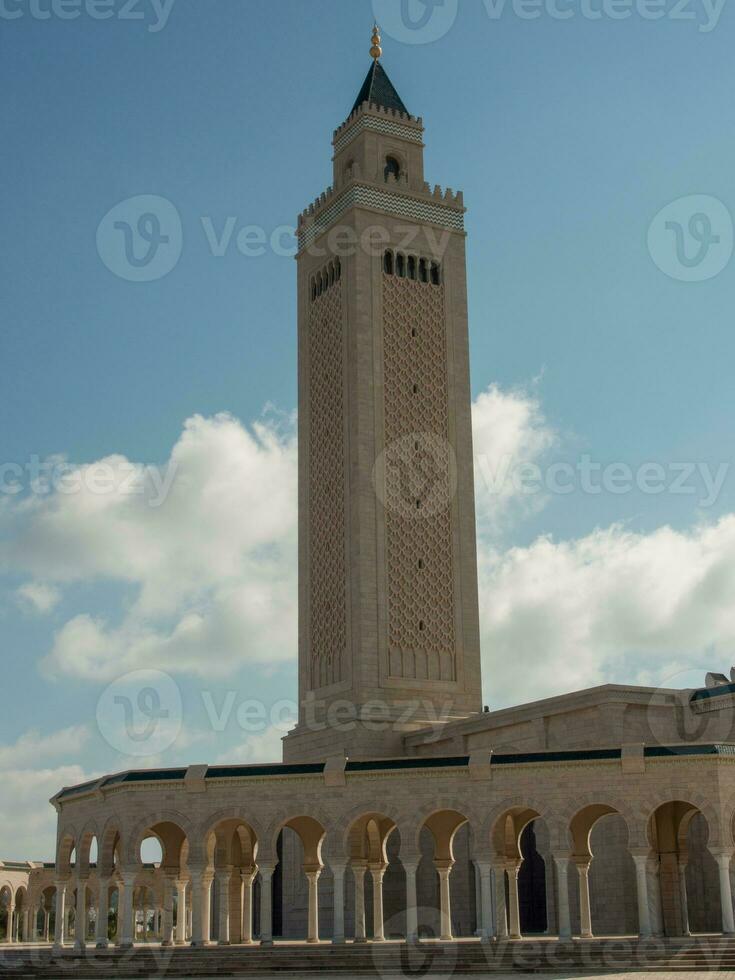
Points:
(327, 606)
(418, 481)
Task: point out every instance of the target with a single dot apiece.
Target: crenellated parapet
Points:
(443, 207)
(388, 122)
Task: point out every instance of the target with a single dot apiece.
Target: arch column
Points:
(266, 904)
(103, 910)
(25, 925)
(46, 925)
(126, 922)
(644, 915)
(514, 909)
(723, 858)
(224, 879)
(9, 934)
(180, 911)
(561, 863)
(585, 912)
(485, 923)
(444, 869)
(358, 870)
(167, 913)
(80, 915)
(246, 905)
(377, 875)
(312, 876)
(33, 925)
(338, 931)
(655, 899)
(412, 916)
(683, 897)
(201, 882)
(501, 911)
(60, 924)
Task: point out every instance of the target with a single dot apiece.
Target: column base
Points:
(338, 941)
(102, 944)
(266, 942)
(313, 942)
(224, 942)
(360, 942)
(166, 942)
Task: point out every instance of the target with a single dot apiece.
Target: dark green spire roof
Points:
(378, 89)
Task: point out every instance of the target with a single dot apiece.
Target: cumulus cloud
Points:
(614, 606)
(38, 597)
(259, 747)
(29, 779)
(27, 822)
(208, 541)
(32, 747)
(510, 432)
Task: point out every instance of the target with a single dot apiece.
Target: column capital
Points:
(721, 854)
(247, 875)
(337, 867)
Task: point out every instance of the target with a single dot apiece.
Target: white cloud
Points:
(214, 567)
(40, 598)
(27, 821)
(510, 432)
(260, 747)
(613, 606)
(32, 747)
(29, 780)
(214, 563)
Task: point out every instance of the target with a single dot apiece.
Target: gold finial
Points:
(376, 50)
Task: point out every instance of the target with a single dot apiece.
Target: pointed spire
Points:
(378, 88)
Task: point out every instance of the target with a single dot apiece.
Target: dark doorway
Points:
(532, 886)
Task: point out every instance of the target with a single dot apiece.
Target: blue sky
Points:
(567, 137)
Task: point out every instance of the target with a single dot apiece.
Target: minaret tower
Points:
(388, 612)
